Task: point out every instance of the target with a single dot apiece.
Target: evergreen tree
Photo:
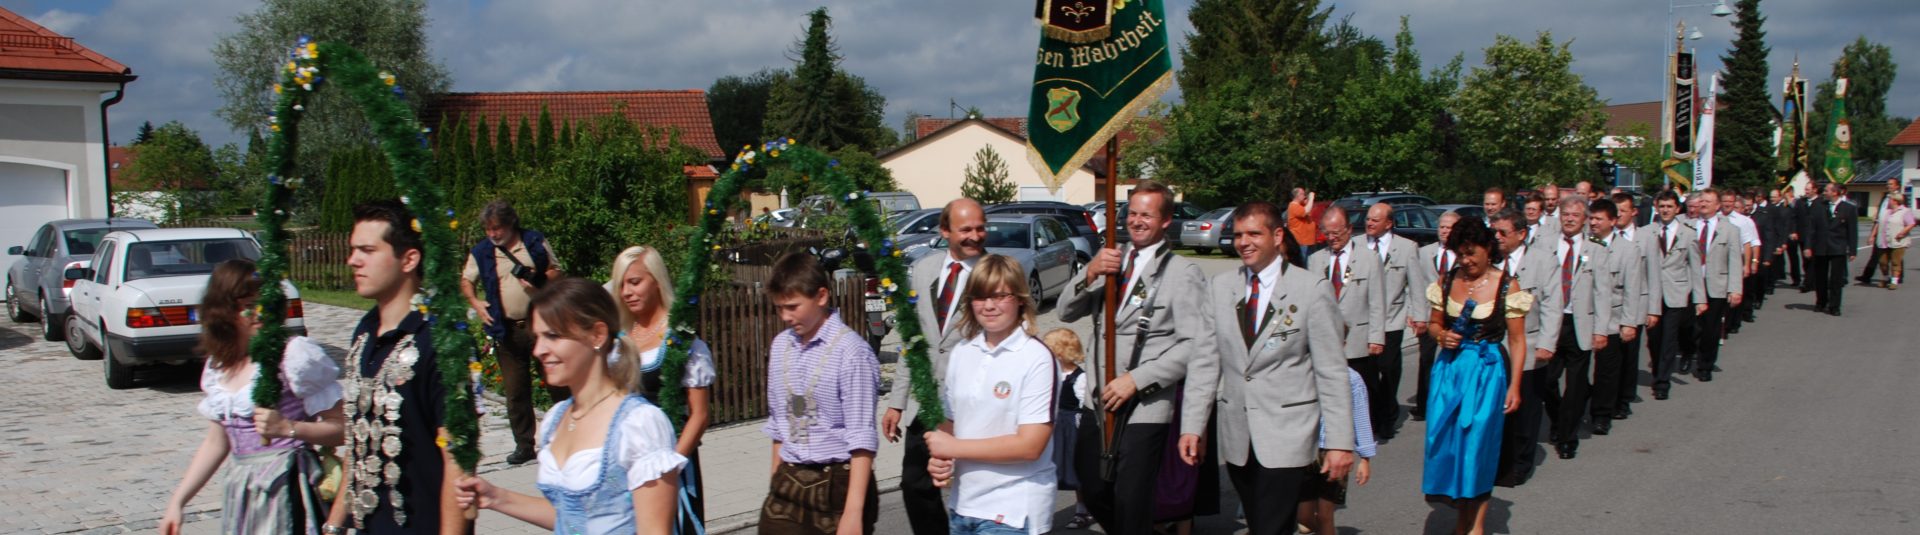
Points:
(485, 173)
(543, 144)
(738, 106)
(505, 159)
(144, 133)
(1744, 126)
(987, 180)
(525, 146)
(823, 106)
(566, 136)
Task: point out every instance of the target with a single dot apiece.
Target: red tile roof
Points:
(31, 51)
(1622, 117)
(1909, 137)
(682, 110)
(699, 171)
(926, 126)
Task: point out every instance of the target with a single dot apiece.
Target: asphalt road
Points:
(1808, 427)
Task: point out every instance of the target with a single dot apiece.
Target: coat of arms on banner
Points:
(1063, 108)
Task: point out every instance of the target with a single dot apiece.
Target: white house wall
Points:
(57, 124)
(934, 169)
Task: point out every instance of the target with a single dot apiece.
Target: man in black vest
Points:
(509, 265)
(1832, 224)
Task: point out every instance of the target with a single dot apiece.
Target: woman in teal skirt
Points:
(1471, 388)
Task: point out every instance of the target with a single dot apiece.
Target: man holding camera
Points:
(509, 265)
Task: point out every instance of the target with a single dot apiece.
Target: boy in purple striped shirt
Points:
(823, 384)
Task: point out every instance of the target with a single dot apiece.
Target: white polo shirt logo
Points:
(1002, 390)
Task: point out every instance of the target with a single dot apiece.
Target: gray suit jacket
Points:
(1675, 268)
(1274, 395)
(1592, 305)
(1725, 266)
(1363, 303)
(1643, 267)
(1626, 266)
(925, 275)
(1403, 295)
(1539, 277)
(1179, 341)
(1425, 272)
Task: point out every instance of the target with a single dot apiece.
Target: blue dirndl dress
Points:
(1468, 387)
(607, 506)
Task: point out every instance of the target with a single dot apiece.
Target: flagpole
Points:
(1113, 287)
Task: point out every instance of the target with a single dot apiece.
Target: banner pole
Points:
(1113, 286)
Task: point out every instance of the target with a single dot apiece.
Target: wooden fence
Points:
(739, 323)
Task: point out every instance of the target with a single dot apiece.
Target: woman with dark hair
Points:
(1474, 378)
(271, 486)
(607, 463)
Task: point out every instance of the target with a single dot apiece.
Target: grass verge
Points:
(339, 298)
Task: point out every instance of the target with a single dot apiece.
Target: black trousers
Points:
(1710, 329)
(1663, 345)
(1522, 428)
(1873, 263)
(1429, 347)
(1829, 279)
(1126, 506)
(1383, 393)
(926, 510)
(516, 382)
(1608, 374)
(1629, 366)
(1271, 496)
(1567, 386)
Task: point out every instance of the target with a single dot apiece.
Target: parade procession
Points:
(1241, 266)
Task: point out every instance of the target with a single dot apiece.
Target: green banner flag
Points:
(1840, 139)
(1100, 62)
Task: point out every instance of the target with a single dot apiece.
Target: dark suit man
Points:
(1798, 242)
(1282, 373)
(943, 278)
(1163, 319)
(1834, 234)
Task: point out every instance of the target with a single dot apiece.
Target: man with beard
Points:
(1167, 366)
(943, 277)
(509, 265)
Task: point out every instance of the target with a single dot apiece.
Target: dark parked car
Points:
(1086, 240)
(35, 288)
(1412, 222)
(1360, 201)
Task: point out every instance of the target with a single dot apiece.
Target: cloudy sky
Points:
(921, 54)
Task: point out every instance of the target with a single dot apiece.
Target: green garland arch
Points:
(405, 143)
(814, 165)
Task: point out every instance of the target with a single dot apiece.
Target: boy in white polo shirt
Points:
(994, 452)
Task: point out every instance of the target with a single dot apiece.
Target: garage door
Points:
(33, 196)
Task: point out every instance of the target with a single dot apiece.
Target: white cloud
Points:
(61, 21)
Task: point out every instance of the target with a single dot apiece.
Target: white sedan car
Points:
(138, 302)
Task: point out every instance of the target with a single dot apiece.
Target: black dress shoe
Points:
(1835, 311)
(1622, 413)
(1418, 416)
(1567, 450)
(520, 457)
(1510, 479)
(1705, 376)
(1602, 426)
(1686, 364)
(1660, 395)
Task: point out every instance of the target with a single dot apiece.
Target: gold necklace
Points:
(574, 415)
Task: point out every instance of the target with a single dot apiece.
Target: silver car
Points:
(34, 288)
(1039, 243)
(1203, 232)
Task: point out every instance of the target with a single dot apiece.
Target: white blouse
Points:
(645, 451)
(700, 370)
(305, 369)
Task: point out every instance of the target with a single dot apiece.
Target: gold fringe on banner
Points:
(1098, 142)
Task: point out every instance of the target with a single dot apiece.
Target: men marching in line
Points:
(1165, 349)
(1722, 253)
(1399, 260)
(1625, 266)
(1800, 245)
(1639, 251)
(1675, 283)
(1586, 322)
(1833, 237)
(1282, 372)
(1435, 261)
(964, 226)
(1531, 268)
(1358, 290)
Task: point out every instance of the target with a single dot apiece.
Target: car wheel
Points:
(77, 342)
(1203, 250)
(53, 327)
(14, 312)
(119, 376)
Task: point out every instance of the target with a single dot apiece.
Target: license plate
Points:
(1226, 242)
(876, 305)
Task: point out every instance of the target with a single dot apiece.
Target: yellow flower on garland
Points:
(473, 366)
(454, 224)
(440, 441)
(416, 225)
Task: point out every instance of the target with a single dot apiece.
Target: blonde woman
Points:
(607, 463)
(994, 451)
(643, 287)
